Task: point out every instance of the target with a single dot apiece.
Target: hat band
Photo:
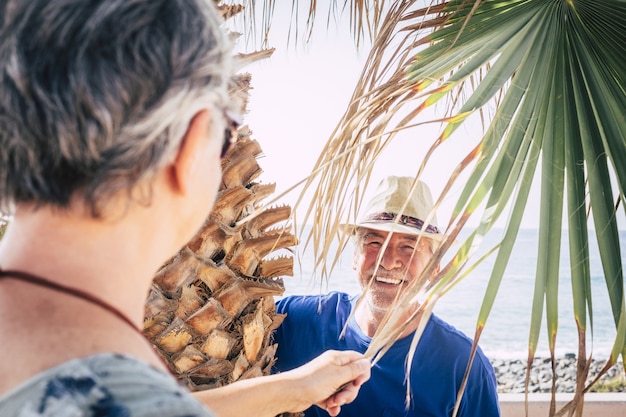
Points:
(404, 220)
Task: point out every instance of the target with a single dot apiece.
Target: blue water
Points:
(507, 330)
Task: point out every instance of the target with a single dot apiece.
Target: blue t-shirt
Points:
(313, 325)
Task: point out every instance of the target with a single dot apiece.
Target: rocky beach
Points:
(511, 374)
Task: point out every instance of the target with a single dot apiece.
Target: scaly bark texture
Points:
(211, 310)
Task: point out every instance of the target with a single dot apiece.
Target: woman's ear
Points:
(192, 151)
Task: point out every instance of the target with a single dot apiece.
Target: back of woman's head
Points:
(96, 95)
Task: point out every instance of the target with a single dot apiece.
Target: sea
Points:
(506, 332)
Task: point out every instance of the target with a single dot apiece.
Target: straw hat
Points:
(391, 195)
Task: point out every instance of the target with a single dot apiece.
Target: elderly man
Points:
(315, 323)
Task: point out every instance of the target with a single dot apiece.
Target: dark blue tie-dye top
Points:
(105, 385)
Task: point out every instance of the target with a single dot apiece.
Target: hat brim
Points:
(390, 227)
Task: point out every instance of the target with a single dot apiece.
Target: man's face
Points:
(402, 262)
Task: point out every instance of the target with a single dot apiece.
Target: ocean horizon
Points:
(506, 332)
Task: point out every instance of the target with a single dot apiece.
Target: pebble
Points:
(511, 375)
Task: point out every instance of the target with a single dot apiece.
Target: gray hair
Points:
(97, 95)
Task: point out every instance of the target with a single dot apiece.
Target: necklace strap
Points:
(33, 279)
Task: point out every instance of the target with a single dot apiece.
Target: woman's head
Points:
(97, 95)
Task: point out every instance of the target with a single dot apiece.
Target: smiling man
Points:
(315, 323)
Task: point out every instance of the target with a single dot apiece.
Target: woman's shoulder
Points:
(102, 384)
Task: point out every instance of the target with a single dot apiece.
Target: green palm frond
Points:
(556, 71)
(568, 99)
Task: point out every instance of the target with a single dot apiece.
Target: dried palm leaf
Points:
(554, 73)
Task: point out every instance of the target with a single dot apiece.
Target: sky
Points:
(299, 95)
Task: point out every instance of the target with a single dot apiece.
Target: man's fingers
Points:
(346, 395)
(333, 411)
(361, 369)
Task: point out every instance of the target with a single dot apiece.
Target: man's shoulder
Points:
(452, 339)
(442, 328)
(313, 303)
